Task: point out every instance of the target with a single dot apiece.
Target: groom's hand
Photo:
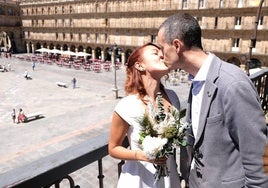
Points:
(265, 159)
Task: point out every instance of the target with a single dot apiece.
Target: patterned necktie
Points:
(197, 85)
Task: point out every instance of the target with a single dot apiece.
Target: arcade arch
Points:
(234, 60)
(5, 41)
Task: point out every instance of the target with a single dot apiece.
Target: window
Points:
(216, 23)
(80, 37)
(201, 4)
(235, 47)
(57, 36)
(87, 8)
(238, 21)
(71, 9)
(71, 23)
(240, 3)
(153, 38)
(221, 4)
(62, 10)
(260, 21)
(97, 8)
(56, 10)
(71, 36)
(106, 38)
(63, 36)
(56, 23)
(236, 42)
(88, 37)
(105, 22)
(97, 37)
(184, 4)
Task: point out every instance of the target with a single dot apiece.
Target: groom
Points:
(228, 127)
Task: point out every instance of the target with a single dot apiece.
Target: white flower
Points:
(160, 132)
(152, 145)
(183, 126)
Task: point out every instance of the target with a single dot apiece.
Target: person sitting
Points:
(21, 116)
(3, 68)
(26, 75)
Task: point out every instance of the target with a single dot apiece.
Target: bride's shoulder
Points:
(129, 100)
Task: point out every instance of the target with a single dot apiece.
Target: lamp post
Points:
(254, 38)
(114, 51)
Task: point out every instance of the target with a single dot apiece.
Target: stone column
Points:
(27, 48)
(33, 49)
(93, 55)
(102, 56)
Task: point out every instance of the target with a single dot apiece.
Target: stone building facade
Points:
(93, 26)
(10, 27)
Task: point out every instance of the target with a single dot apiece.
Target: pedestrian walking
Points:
(74, 82)
(13, 115)
(33, 65)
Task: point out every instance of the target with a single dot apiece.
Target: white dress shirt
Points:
(197, 99)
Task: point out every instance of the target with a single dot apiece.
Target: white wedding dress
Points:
(140, 174)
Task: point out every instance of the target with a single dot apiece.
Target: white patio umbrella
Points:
(43, 50)
(70, 53)
(82, 54)
(55, 51)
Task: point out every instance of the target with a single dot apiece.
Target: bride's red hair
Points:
(134, 84)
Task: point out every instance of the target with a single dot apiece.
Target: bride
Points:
(145, 68)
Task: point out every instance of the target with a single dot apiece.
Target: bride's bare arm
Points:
(118, 132)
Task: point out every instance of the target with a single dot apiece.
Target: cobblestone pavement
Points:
(71, 115)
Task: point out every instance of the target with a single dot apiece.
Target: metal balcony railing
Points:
(260, 80)
(53, 169)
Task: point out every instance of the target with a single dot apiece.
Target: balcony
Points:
(51, 170)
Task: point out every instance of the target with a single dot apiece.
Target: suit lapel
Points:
(209, 92)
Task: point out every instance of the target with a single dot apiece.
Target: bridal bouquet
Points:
(161, 132)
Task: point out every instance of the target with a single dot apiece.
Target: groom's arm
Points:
(265, 159)
(248, 130)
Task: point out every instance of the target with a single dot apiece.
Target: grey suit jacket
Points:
(231, 134)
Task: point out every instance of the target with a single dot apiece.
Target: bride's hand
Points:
(140, 155)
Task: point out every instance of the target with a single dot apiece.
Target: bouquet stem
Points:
(162, 171)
